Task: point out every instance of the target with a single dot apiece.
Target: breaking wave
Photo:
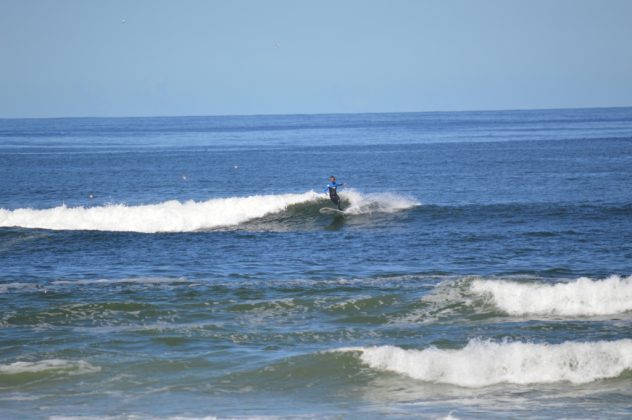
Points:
(377, 203)
(475, 298)
(484, 363)
(582, 297)
(189, 216)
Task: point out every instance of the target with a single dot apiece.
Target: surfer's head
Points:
(332, 178)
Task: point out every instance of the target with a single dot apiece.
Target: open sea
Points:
(180, 267)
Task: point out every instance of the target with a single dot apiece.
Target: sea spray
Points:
(377, 202)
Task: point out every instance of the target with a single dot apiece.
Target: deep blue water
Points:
(181, 266)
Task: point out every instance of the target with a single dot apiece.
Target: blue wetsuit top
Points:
(332, 186)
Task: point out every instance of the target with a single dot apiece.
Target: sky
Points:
(110, 58)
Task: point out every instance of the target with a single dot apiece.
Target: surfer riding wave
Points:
(331, 188)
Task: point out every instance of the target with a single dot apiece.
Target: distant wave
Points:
(484, 363)
(582, 297)
(50, 366)
(176, 216)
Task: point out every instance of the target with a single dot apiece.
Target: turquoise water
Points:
(180, 267)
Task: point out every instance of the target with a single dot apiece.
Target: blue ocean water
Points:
(180, 267)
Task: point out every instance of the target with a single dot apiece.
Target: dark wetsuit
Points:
(333, 194)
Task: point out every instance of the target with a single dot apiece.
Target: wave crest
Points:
(189, 216)
(484, 363)
(582, 297)
(169, 216)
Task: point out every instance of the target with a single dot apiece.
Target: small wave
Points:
(19, 287)
(127, 280)
(582, 297)
(484, 363)
(189, 216)
(51, 366)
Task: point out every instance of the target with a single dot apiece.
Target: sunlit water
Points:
(180, 267)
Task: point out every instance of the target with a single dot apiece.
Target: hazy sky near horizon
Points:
(151, 57)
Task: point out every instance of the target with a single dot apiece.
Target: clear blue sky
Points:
(128, 58)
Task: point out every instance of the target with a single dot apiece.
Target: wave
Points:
(582, 297)
(485, 363)
(128, 280)
(377, 202)
(475, 298)
(189, 216)
(49, 366)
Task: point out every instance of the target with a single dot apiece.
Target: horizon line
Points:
(318, 113)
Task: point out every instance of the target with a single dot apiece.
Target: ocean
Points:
(181, 268)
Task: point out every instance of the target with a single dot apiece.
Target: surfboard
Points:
(329, 210)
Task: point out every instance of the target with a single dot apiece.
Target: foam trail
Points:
(484, 363)
(582, 297)
(377, 202)
(50, 365)
(169, 216)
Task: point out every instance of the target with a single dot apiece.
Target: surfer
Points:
(333, 194)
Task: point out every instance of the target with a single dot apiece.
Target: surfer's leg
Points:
(336, 201)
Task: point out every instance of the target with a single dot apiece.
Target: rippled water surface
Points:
(181, 267)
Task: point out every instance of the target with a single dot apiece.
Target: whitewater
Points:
(484, 363)
(189, 216)
(581, 297)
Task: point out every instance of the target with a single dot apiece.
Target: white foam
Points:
(582, 297)
(484, 363)
(169, 216)
(449, 417)
(50, 365)
(176, 216)
(377, 202)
